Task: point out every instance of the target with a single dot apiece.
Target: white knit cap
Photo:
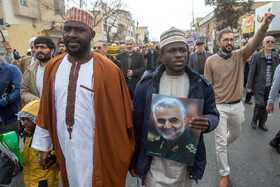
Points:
(31, 41)
(172, 35)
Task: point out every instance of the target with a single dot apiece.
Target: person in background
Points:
(32, 79)
(27, 61)
(10, 56)
(151, 57)
(248, 96)
(61, 48)
(225, 71)
(122, 48)
(133, 65)
(263, 66)
(197, 59)
(102, 47)
(275, 142)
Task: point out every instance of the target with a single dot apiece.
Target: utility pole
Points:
(137, 32)
(193, 26)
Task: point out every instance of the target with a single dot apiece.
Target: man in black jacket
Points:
(102, 47)
(259, 82)
(151, 58)
(133, 65)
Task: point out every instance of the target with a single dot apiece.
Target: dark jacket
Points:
(148, 56)
(138, 67)
(10, 75)
(193, 63)
(257, 74)
(116, 61)
(200, 88)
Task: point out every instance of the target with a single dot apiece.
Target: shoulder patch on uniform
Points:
(190, 147)
(155, 139)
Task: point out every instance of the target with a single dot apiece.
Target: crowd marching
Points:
(84, 115)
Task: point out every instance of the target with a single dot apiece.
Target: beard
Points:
(224, 48)
(44, 59)
(173, 138)
(80, 51)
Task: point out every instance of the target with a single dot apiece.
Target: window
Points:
(58, 7)
(23, 3)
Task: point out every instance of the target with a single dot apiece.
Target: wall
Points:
(20, 34)
(275, 24)
(10, 16)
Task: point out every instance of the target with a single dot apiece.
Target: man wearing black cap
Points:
(197, 59)
(172, 78)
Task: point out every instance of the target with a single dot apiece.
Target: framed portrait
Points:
(169, 134)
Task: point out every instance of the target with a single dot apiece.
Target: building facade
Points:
(207, 26)
(21, 20)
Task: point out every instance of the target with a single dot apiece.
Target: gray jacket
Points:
(257, 74)
(275, 87)
(193, 63)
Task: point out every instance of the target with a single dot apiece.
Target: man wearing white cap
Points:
(172, 78)
(24, 62)
(85, 112)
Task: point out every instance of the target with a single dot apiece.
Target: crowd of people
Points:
(86, 114)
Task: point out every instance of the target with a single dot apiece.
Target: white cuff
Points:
(42, 140)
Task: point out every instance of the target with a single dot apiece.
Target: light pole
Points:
(137, 32)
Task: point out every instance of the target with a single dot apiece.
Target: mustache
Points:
(72, 40)
(229, 45)
(40, 53)
(168, 130)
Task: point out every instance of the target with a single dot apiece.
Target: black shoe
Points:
(248, 102)
(254, 124)
(263, 127)
(274, 146)
(17, 170)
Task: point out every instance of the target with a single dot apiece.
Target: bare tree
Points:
(107, 13)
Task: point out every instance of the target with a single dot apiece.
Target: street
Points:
(252, 161)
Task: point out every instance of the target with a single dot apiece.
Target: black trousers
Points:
(131, 88)
(276, 139)
(6, 166)
(248, 97)
(260, 113)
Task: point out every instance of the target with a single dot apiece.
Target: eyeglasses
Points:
(41, 46)
(270, 41)
(228, 39)
(97, 47)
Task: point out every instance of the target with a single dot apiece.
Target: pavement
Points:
(252, 161)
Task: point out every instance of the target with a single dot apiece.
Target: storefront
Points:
(247, 28)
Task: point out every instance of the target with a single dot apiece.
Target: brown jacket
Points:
(113, 135)
(28, 89)
(23, 63)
